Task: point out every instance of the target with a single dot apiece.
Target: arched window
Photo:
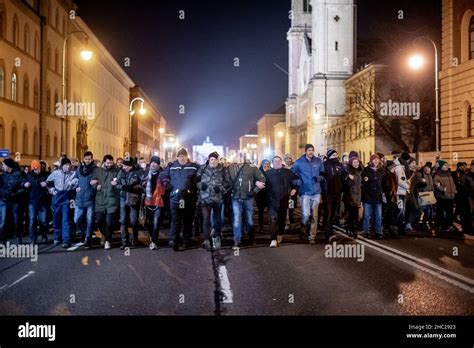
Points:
(48, 144)
(56, 101)
(36, 95)
(26, 91)
(35, 142)
(14, 139)
(2, 82)
(471, 38)
(36, 46)
(26, 42)
(48, 101)
(14, 86)
(55, 145)
(469, 120)
(48, 58)
(16, 31)
(25, 140)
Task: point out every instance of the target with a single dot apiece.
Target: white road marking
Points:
(5, 287)
(225, 285)
(416, 265)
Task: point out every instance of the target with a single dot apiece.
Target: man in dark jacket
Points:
(213, 181)
(181, 177)
(468, 182)
(10, 193)
(372, 177)
(280, 185)
(334, 170)
(85, 197)
(107, 199)
(39, 201)
(461, 200)
(154, 191)
(129, 183)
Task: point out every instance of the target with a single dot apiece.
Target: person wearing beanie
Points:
(107, 199)
(382, 158)
(310, 170)
(335, 172)
(445, 189)
(85, 197)
(63, 183)
(38, 202)
(390, 164)
(345, 159)
(128, 182)
(288, 160)
(10, 199)
(180, 176)
(372, 177)
(154, 192)
(353, 154)
(213, 181)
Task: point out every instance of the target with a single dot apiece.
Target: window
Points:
(48, 144)
(307, 8)
(56, 20)
(36, 95)
(469, 120)
(56, 57)
(35, 142)
(25, 141)
(2, 82)
(36, 46)
(56, 101)
(13, 139)
(14, 87)
(2, 22)
(16, 31)
(55, 145)
(48, 101)
(26, 91)
(27, 39)
(49, 55)
(471, 38)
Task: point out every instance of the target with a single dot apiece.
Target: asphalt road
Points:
(414, 275)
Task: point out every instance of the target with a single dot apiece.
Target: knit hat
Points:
(64, 161)
(182, 152)
(352, 159)
(330, 153)
(214, 154)
(287, 155)
(381, 155)
(441, 163)
(390, 164)
(155, 159)
(128, 162)
(35, 164)
(10, 163)
(353, 154)
(308, 146)
(405, 156)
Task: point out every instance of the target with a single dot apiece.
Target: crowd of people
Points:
(394, 196)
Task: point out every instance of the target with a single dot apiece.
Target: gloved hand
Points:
(217, 189)
(204, 186)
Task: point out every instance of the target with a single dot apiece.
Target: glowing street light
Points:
(416, 62)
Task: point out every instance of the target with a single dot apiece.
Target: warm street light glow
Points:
(142, 111)
(86, 54)
(280, 134)
(416, 61)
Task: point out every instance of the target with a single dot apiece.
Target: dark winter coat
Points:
(107, 199)
(335, 172)
(181, 180)
(38, 195)
(86, 196)
(279, 183)
(212, 183)
(353, 188)
(11, 189)
(372, 185)
(244, 183)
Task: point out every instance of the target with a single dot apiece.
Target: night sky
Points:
(190, 62)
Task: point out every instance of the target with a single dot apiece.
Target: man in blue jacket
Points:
(85, 197)
(310, 170)
(183, 197)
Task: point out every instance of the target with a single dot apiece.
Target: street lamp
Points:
(86, 55)
(415, 62)
(131, 113)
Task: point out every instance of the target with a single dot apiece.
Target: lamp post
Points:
(86, 55)
(415, 62)
(131, 112)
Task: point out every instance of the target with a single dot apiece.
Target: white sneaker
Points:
(107, 246)
(153, 246)
(279, 239)
(273, 244)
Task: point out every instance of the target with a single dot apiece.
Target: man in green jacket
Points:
(107, 199)
(246, 180)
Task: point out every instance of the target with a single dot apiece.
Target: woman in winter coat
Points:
(352, 194)
(424, 183)
(372, 177)
(445, 190)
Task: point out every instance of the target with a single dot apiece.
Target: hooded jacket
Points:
(181, 180)
(38, 195)
(107, 199)
(445, 188)
(11, 189)
(310, 174)
(402, 179)
(212, 183)
(279, 183)
(86, 196)
(63, 185)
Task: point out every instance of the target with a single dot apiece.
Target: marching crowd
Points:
(395, 196)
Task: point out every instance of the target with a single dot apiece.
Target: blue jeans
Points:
(369, 210)
(211, 216)
(38, 217)
(62, 223)
(242, 207)
(11, 209)
(78, 220)
(310, 205)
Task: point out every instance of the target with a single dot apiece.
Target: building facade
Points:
(457, 81)
(266, 134)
